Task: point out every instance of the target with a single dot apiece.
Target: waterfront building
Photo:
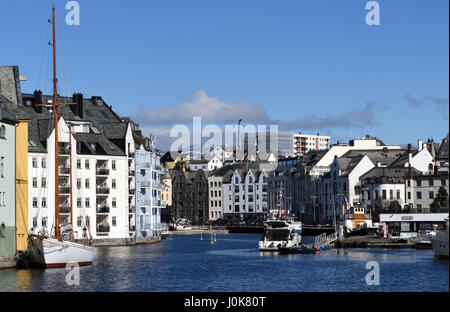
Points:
(281, 183)
(166, 197)
(244, 189)
(215, 196)
(406, 225)
(190, 195)
(303, 143)
(7, 187)
(422, 189)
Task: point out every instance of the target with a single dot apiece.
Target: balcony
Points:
(102, 190)
(102, 209)
(145, 184)
(64, 209)
(64, 189)
(64, 171)
(102, 228)
(102, 171)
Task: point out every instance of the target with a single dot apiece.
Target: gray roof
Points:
(442, 153)
(6, 117)
(384, 175)
(386, 157)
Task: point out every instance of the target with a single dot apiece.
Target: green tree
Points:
(441, 199)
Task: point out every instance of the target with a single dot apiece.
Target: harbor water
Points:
(234, 264)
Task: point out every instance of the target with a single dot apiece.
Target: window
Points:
(34, 162)
(87, 221)
(79, 202)
(419, 183)
(376, 194)
(78, 183)
(398, 194)
(113, 183)
(384, 194)
(34, 221)
(86, 164)
(431, 195)
(419, 195)
(78, 164)
(34, 182)
(44, 221)
(44, 182)
(443, 182)
(79, 221)
(2, 132)
(35, 202)
(409, 195)
(114, 221)
(2, 167)
(391, 194)
(86, 183)
(114, 202)
(430, 182)
(409, 183)
(44, 202)
(87, 203)
(113, 165)
(43, 163)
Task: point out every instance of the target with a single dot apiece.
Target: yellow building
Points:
(22, 185)
(166, 192)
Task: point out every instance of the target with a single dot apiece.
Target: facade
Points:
(7, 188)
(166, 197)
(206, 165)
(303, 143)
(215, 197)
(421, 190)
(245, 192)
(190, 195)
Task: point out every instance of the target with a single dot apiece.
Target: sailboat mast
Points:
(55, 114)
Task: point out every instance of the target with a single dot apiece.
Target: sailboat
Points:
(61, 248)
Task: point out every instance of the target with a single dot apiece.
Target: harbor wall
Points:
(126, 241)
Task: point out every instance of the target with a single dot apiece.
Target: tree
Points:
(441, 199)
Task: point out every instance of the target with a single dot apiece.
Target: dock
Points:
(372, 242)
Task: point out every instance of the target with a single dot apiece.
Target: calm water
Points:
(233, 263)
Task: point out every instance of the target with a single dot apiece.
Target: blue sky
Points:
(308, 65)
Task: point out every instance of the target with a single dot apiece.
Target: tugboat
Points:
(280, 232)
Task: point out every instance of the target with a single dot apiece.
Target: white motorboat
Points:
(439, 241)
(280, 233)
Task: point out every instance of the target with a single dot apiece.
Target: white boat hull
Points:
(439, 241)
(51, 253)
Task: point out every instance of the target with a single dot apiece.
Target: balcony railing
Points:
(63, 189)
(102, 228)
(64, 209)
(102, 190)
(102, 209)
(64, 170)
(102, 171)
(145, 184)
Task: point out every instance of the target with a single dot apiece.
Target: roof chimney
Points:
(78, 108)
(37, 100)
(419, 145)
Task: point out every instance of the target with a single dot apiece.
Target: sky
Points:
(308, 66)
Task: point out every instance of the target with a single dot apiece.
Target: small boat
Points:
(280, 232)
(421, 241)
(439, 241)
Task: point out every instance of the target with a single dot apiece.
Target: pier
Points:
(372, 242)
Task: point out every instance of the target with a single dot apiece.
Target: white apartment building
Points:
(303, 143)
(244, 193)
